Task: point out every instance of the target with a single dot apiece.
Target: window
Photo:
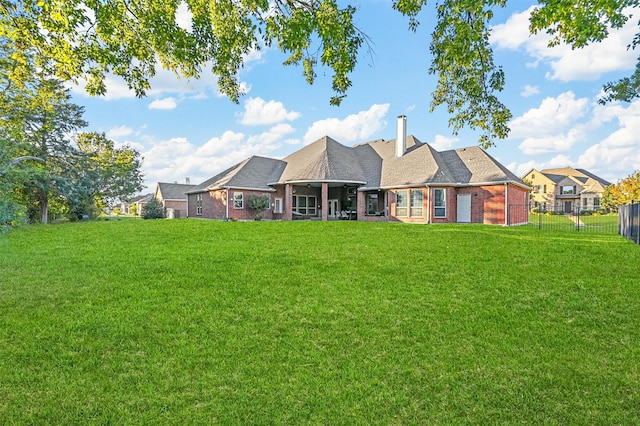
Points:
(238, 200)
(304, 204)
(439, 203)
(416, 202)
(540, 189)
(277, 207)
(198, 204)
(568, 190)
(401, 203)
(584, 202)
(596, 202)
(372, 203)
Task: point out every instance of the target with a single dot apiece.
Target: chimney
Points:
(401, 137)
(187, 181)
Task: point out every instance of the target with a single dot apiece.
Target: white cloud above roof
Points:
(553, 116)
(257, 111)
(354, 127)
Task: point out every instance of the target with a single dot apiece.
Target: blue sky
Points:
(187, 129)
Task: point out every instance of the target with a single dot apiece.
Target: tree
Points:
(153, 210)
(624, 192)
(117, 171)
(82, 39)
(259, 203)
(36, 119)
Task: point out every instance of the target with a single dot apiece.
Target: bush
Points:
(259, 203)
(11, 214)
(153, 210)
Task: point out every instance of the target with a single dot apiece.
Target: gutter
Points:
(450, 184)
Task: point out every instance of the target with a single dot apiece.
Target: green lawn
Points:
(328, 323)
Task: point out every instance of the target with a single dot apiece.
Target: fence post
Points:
(540, 210)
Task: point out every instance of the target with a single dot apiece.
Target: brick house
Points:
(398, 180)
(173, 197)
(565, 189)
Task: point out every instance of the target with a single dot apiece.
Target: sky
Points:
(187, 129)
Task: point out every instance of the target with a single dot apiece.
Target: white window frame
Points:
(277, 206)
(402, 210)
(198, 204)
(238, 200)
(439, 211)
(416, 210)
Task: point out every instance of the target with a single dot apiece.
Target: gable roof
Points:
(174, 191)
(253, 173)
(581, 176)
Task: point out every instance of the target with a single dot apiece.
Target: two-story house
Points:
(565, 189)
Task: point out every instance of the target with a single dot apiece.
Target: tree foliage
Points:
(87, 39)
(624, 192)
(117, 173)
(259, 203)
(153, 210)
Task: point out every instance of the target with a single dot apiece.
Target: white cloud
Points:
(258, 112)
(621, 149)
(119, 132)
(513, 33)
(443, 143)
(529, 90)
(183, 16)
(552, 117)
(550, 144)
(567, 64)
(354, 127)
(166, 103)
(521, 169)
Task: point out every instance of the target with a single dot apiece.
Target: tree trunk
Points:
(44, 207)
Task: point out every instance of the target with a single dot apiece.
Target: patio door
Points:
(332, 208)
(464, 208)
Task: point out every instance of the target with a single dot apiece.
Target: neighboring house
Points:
(173, 197)
(141, 201)
(566, 189)
(399, 180)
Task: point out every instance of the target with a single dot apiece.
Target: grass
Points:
(203, 322)
(604, 224)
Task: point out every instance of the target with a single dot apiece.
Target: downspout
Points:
(227, 206)
(506, 204)
(428, 204)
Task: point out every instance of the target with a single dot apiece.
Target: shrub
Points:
(153, 210)
(11, 214)
(259, 203)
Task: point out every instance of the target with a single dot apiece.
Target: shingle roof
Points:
(323, 160)
(374, 164)
(174, 191)
(581, 175)
(254, 172)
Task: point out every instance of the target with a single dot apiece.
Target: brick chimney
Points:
(401, 137)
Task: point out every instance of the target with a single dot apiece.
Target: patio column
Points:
(288, 210)
(324, 200)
